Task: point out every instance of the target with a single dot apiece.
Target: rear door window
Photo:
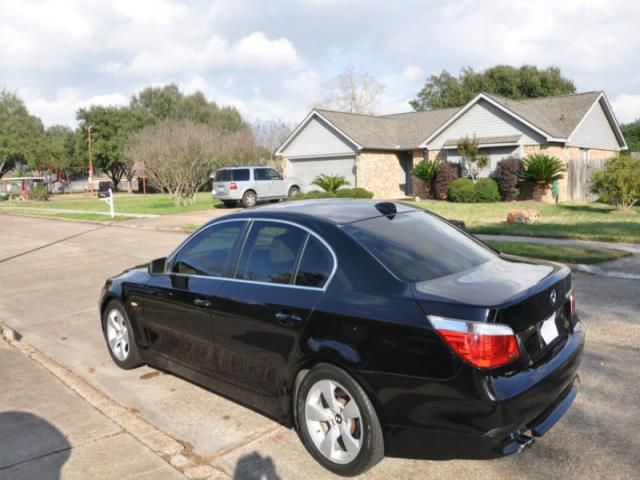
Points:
(271, 252)
(315, 266)
(418, 246)
(240, 175)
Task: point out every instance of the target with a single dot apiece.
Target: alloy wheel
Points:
(118, 335)
(334, 421)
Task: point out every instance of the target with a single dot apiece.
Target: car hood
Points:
(506, 279)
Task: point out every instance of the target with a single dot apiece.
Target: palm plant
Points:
(543, 170)
(426, 171)
(330, 183)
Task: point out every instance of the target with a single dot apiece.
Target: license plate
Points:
(549, 330)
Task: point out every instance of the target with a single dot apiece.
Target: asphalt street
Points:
(51, 273)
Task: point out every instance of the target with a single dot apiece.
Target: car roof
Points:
(243, 166)
(336, 211)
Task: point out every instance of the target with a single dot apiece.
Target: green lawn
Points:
(73, 216)
(558, 253)
(583, 221)
(154, 204)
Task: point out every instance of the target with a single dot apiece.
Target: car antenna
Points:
(386, 208)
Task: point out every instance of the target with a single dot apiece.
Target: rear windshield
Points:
(417, 246)
(235, 175)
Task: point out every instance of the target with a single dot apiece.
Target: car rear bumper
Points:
(492, 418)
(226, 196)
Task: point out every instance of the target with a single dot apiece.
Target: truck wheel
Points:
(249, 199)
(293, 191)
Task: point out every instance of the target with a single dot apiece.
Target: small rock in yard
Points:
(522, 216)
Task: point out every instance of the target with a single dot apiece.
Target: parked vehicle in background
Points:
(250, 185)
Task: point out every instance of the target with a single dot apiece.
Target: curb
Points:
(174, 452)
(593, 270)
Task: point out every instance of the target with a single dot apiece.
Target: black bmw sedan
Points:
(372, 328)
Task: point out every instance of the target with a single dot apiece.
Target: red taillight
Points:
(483, 345)
(233, 186)
(572, 299)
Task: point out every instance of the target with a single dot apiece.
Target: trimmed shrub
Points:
(447, 172)
(342, 193)
(543, 169)
(462, 191)
(354, 193)
(508, 177)
(487, 190)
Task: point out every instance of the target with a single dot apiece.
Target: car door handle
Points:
(202, 303)
(287, 319)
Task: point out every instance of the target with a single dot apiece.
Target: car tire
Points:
(230, 203)
(249, 199)
(344, 437)
(293, 191)
(119, 336)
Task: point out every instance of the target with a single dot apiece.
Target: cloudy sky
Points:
(272, 58)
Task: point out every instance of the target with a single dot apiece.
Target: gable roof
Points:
(555, 118)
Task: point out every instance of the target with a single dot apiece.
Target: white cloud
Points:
(254, 51)
(626, 107)
(274, 58)
(62, 109)
(413, 73)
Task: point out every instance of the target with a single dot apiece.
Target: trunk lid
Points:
(532, 297)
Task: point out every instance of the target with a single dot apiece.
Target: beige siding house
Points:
(379, 152)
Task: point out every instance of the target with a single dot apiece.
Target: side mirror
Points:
(157, 266)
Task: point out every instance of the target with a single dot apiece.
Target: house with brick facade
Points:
(378, 152)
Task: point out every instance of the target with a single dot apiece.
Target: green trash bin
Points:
(4, 196)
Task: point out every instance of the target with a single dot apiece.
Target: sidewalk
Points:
(625, 268)
(47, 431)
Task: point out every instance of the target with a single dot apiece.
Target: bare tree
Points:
(353, 91)
(179, 156)
(270, 134)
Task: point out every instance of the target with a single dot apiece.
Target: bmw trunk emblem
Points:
(553, 296)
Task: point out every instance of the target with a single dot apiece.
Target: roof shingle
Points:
(556, 116)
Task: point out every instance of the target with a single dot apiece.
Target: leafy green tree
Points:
(618, 182)
(330, 183)
(169, 103)
(61, 153)
(631, 132)
(528, 81)
(110, 129)
(21, 134)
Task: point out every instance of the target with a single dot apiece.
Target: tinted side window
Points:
(223, 176)
(270, 252)
(209, 252)
(261, 174)
(272, 174)
(241, 175)
(315, 266)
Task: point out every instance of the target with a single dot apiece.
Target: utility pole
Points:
(90, 162)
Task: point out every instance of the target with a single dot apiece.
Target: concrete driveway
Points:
(51, 273)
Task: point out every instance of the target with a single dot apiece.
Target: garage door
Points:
(306, 169)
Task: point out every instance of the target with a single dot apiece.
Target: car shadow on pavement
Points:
(255, 467)
(30, 447)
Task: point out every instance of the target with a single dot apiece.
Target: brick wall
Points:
(382, 174)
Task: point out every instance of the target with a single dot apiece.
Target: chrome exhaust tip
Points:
(523, 441)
